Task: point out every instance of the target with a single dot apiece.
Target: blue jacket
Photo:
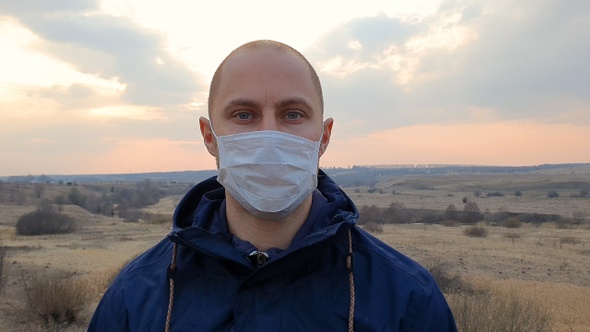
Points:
(303, 288)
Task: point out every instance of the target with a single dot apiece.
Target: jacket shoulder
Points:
(131, 289)
(388, 258)
(398, 287)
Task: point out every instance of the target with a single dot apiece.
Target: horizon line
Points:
(375, 166)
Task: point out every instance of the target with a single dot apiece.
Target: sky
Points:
(118, 86)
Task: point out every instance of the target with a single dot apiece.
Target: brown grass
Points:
(475, 231)
(569, 240)
(499, 310)
(535, 266)
(539, 267)
(373, 227)
(56, 299)
(512, 235)
(566, 304)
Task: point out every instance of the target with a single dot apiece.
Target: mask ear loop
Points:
(321, 139)
(212, 131)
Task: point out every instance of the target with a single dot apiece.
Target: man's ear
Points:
(208, 137)
(325, 140)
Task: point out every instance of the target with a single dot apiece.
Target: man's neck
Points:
(265, 234)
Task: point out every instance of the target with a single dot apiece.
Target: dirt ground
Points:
(548, 264)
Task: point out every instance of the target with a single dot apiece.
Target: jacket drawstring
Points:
(171, 272)
(349, 266)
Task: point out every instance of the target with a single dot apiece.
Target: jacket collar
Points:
(200, 222)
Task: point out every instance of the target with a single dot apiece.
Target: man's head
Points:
(265, 85)
(263, 45)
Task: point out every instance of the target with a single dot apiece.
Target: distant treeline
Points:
(368, 176)
(354, 176)
(180, 177)
(397, 213)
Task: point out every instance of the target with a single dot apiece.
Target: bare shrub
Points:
(564, 224)
(76, 197)
(583, 193)
(512, 222)
(447, 282)
(569, 240)
(396, 213)
(452, 213)
(450, 223)
(369, 213)
(476, 231)
(552, 194)
(578, 217)
(512, 235)
(491, 312)
(471, 213)
(56, 299)
(45, 221)
(373, 227)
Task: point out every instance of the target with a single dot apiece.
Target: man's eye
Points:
(244, 116)
(293, 115)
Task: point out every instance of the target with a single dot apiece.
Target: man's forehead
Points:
(243, 73)
(245, 58)
(262, 62)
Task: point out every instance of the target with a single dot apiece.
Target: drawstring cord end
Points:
(170, 276)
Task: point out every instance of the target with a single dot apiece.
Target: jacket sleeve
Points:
(433, 312)
(111, 312)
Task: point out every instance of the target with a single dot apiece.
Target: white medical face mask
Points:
(268, 172)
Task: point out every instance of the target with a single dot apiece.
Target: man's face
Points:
(266, 90)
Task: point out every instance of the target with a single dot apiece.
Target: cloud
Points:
(521, 61)
(130, 88)
(78, 96)
(78, 82)
(524, 61)
(109, 47)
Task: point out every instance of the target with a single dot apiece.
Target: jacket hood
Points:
(200, 223)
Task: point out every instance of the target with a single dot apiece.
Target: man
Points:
(271, 243)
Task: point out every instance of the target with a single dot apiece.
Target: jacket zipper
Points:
(258, 258)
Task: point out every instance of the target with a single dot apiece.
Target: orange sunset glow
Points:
(118, 86)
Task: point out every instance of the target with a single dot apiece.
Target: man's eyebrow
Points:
(294, 101)
(241, 102)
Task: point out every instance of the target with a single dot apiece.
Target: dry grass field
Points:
(537, 265)
(546, 264)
